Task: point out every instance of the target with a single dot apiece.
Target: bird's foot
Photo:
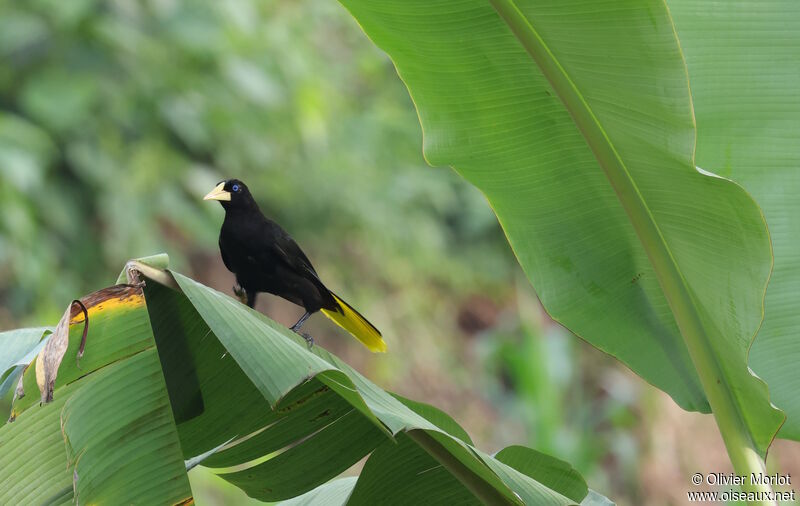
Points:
(240, 294)
(307, 337)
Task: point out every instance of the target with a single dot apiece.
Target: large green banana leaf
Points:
(744, 68)
(197, 375)
(575, 119)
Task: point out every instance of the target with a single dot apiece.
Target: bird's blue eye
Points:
(235, 188)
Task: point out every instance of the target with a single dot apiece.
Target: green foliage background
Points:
(116, 117)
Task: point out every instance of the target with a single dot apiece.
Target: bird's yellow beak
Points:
(218, 193)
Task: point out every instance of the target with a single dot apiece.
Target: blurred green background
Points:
(116, 117)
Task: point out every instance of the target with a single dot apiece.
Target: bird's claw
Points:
(308, 338)
(240, 294)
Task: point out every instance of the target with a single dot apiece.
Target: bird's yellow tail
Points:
(352, 321)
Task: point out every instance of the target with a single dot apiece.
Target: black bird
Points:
(265, 259)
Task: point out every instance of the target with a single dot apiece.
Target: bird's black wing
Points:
(288, 251)
(225, 260)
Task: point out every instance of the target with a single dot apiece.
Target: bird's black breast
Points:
(246, 252)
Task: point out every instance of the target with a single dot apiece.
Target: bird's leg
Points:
(251, 298)
(239, 292)
(300, 322)
(296, 328)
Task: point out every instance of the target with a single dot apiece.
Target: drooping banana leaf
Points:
(175, 373)
(744, 72)
(575, 119)
(343, 433)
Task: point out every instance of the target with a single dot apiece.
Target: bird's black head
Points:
(232, 194)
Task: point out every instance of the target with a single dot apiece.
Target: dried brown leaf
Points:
(49, 359)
